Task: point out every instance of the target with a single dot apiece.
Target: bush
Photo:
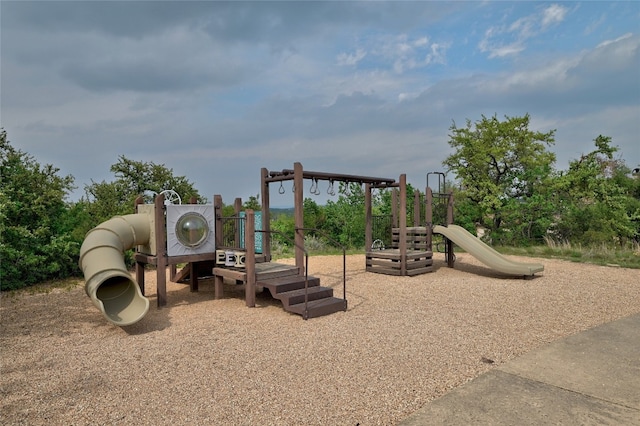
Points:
(32, 208)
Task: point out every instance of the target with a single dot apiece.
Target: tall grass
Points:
(627, 255)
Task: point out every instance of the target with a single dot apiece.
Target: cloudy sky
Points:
(217, 90)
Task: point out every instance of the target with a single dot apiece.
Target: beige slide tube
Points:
(108, 283)
(486, 254)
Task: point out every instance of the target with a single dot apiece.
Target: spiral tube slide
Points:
(108, 283)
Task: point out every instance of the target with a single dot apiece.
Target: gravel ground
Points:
(403, 342)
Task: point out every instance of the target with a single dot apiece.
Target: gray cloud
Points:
(217, 90)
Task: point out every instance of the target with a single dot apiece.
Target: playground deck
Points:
(415, 259)
(391, 262)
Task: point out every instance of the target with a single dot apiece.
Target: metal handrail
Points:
(344, 257)
(306, 268)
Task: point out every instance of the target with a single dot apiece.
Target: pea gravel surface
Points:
(403, 342)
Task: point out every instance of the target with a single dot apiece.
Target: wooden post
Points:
(193, 276)
(218, 280)
(217, 209)
(139, 264)
(394, 208)
(428, 216)
(266, 216)
(161, 251)
(403, 224)
(250, 258)
(450, 255)
(298, 204)
(416, 208)
(237, 208)
(368, 228)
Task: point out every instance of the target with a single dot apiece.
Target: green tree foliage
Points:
(345, 218)
(504, 169)
(253, 203)
(596, 199)
(382, 201)
(104, 200)
(36, 242)
(284, 224)
(314, 215)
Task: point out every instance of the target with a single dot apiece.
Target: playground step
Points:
(290, 291)
(294, 297)
(284, 284)
(320, 307)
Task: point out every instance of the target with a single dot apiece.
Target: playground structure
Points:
(411, 247)
(238, 248)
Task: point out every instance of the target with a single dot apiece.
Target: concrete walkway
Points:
(590, 378)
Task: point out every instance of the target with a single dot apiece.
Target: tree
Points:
(504, 169)
(253, 203)
(35, 243)
(314, 215)
(133, 178)
(345, 218)
(596, 198)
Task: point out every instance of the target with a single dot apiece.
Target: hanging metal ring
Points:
(330, 190)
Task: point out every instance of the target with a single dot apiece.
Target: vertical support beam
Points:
(217, 212)
(394, 208)
(250, 258)
(161, 251)
(450, 255)
(368, 218)
(139, 265)
(266, 215)
(218, 281)
(403, 224)
(193, 276)
(298, 203)
(428, 216)
(416, 208)
(218, 285)
(237, 208)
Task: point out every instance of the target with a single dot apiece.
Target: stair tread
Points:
(320, 307)
(280, 285)
(290, 290)
(294, 297)
(284, 280)
(300, 292)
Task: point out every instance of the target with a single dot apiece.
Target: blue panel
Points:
(258, 227)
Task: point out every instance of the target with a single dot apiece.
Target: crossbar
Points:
(288, 174)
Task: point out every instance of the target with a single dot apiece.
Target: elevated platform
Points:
(417, 258)
(393, 262)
